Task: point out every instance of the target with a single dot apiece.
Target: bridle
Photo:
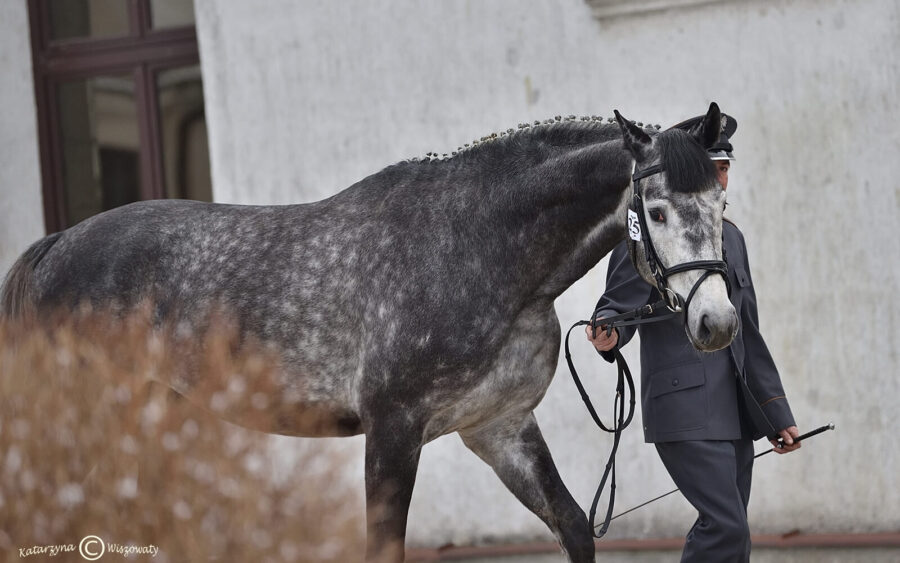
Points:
(670, 305)
(638, 231)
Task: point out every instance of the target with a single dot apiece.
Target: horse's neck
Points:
(589, 246)
(571, 213)
(534, 227)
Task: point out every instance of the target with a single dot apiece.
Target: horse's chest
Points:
(514, 382)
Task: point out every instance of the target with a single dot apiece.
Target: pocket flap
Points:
(676, 378)
(743, 279)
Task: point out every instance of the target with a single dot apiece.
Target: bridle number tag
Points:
(634, 226)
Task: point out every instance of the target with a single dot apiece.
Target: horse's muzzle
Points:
(713, 330)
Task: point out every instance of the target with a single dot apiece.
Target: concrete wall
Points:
(304, 98)
(21, 214)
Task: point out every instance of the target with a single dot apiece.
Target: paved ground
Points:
(794, 555)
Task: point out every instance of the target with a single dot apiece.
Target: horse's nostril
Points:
(705, 331)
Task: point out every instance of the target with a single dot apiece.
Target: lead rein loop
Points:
(641, 315)
(621, 421)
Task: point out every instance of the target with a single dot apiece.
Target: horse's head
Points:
(675, 225)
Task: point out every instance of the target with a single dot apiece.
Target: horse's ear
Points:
(636, 140)
(707, 130)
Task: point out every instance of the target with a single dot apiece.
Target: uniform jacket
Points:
(690, 395)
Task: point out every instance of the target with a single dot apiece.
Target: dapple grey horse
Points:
(417, 302)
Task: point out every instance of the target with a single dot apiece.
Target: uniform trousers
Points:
(714, 476)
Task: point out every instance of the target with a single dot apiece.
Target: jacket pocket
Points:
(678, 398)
(677, 378)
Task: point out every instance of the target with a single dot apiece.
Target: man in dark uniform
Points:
(703, 410)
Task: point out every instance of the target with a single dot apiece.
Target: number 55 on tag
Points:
(634, 225)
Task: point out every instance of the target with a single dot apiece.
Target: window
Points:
(120, 105)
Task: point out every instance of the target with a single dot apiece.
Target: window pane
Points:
(100, 145)
(183, 130)
(171, 13)
(88, 18)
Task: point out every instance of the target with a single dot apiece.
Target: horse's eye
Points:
(657, 216)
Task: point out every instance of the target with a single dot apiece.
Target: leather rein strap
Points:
(642, 315)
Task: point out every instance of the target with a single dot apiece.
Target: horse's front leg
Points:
(515, 449)
(393, 445)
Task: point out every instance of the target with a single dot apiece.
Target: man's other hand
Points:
(787, 437)
(602, 343)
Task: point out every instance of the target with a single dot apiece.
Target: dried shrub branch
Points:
(89, 447)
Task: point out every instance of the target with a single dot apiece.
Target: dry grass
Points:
(90, 448)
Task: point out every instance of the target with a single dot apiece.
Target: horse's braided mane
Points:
(533, 129)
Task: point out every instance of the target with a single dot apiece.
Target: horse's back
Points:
(155, 250)
(272, 269)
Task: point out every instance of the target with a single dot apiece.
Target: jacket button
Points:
(675, 382)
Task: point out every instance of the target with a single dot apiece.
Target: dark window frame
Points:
(143, 53)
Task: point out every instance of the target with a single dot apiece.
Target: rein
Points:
(669, 306)
(641, 315)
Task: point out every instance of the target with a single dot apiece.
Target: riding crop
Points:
(810, 434)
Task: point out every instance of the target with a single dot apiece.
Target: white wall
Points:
(21, 214)
(304, 98)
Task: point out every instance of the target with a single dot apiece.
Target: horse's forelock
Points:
(688, 167)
